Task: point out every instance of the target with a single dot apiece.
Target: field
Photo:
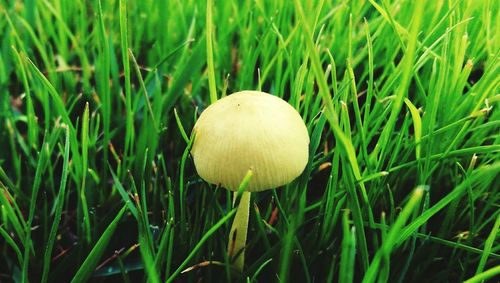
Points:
(98, 100)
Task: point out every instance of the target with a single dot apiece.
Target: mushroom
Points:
(249, 130)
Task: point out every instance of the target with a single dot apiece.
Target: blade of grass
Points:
(182, 193)
(40, 168)
(390, 241)
(32, 124)
(90, 263)
(181, 128)
(47, 258)
(83, 198)
(11, 213)
(417, 126)
(143, 88)
(8, 239)
(129, 120)
(147, 257)
(348, 256)
(124, 195)
(478, 174)
(481, 277)
(488, 245)
(200, 243)
(210, 53)
(103, 84)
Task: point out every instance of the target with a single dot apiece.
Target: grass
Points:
(98, 99)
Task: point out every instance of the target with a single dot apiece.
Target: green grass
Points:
(98, 100)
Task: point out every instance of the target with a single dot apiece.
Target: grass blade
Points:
(210, 54)
(481, 277)
(57, 215)
(200, 243)
(40, 168)
(348, 256)
(390, 241)
(488, 245)
(90, 263)
(85, 149)
(478, 174)
(129, 120)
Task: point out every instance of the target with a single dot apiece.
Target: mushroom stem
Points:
(238, 234)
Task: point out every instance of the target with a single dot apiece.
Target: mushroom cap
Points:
(250, 130)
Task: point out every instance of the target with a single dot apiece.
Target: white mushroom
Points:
(249, 130)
